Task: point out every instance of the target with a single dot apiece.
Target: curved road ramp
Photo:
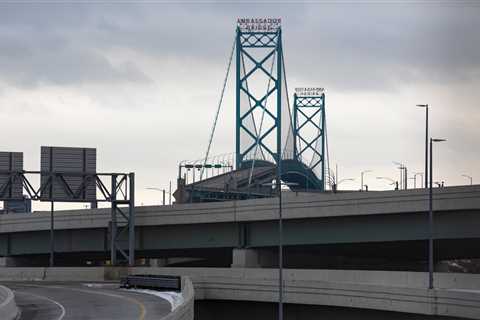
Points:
(98, 300)
(8, 307)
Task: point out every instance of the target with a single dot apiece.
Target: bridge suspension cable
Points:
(290, 127)
(326, 148)
(218, 108)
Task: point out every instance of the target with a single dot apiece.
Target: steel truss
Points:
(120, 192)
(315, 117)
(270, 45)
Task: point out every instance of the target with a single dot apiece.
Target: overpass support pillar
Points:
(253, 258)
(11, 262)
(245, 258)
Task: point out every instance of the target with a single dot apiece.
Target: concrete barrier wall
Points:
(8, 307)
(296, 206)
(22, 274)
(389, 291)
(406, 279)
(52, 274)
(186, 310)
(75, 274)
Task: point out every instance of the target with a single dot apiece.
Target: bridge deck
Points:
(310, 219)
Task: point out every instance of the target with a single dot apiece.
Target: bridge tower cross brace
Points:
(267, 45)
(310, 111)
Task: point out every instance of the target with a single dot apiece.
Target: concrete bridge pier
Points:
(252, 258)
(12, 262)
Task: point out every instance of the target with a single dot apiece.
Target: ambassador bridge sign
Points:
(259, 24)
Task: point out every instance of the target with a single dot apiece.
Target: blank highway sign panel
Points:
(11, 187)
(73, 163)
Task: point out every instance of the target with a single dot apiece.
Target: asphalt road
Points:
(66, 301)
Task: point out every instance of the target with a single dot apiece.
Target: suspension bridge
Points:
(273, 138)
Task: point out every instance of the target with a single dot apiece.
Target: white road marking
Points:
(58, 304)
(143, 310)
(174, 298)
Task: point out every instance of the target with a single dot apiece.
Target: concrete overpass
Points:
(389, 225)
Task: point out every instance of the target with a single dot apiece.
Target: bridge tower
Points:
(259, 71)
(309, 128)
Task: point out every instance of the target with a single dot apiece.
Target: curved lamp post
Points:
(393, 182)
(468, 177)
(361, 178)
(163, 192)
(421, 178)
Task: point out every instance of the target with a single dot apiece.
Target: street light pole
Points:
(426, 141)
(414, 182)
(406, 178)
(421, 178)
(468, 177)
(278, 184)
(361, 178)
(280, 250)
(348, 179)
(430, 217)
(163, 191)
(393, 182)
(403, 174)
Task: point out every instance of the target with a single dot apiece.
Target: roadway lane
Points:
(62, 301)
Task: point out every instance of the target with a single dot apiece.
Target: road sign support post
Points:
(131, 226)
(113, 221)
(52, 235)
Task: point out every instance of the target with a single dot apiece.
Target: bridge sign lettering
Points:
(309, 91)
(259, 24)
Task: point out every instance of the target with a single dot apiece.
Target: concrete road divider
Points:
(185, 310)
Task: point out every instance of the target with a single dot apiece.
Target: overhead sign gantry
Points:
(69, 175)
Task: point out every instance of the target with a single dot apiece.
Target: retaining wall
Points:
(456, 295)
(186, 310)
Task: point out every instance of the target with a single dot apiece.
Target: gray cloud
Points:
(378, 46)
(38, 46)
(384, 47)
(62, 65)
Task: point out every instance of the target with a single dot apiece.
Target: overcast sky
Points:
(141, 82)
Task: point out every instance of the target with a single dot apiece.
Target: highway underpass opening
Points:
(241, 310)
